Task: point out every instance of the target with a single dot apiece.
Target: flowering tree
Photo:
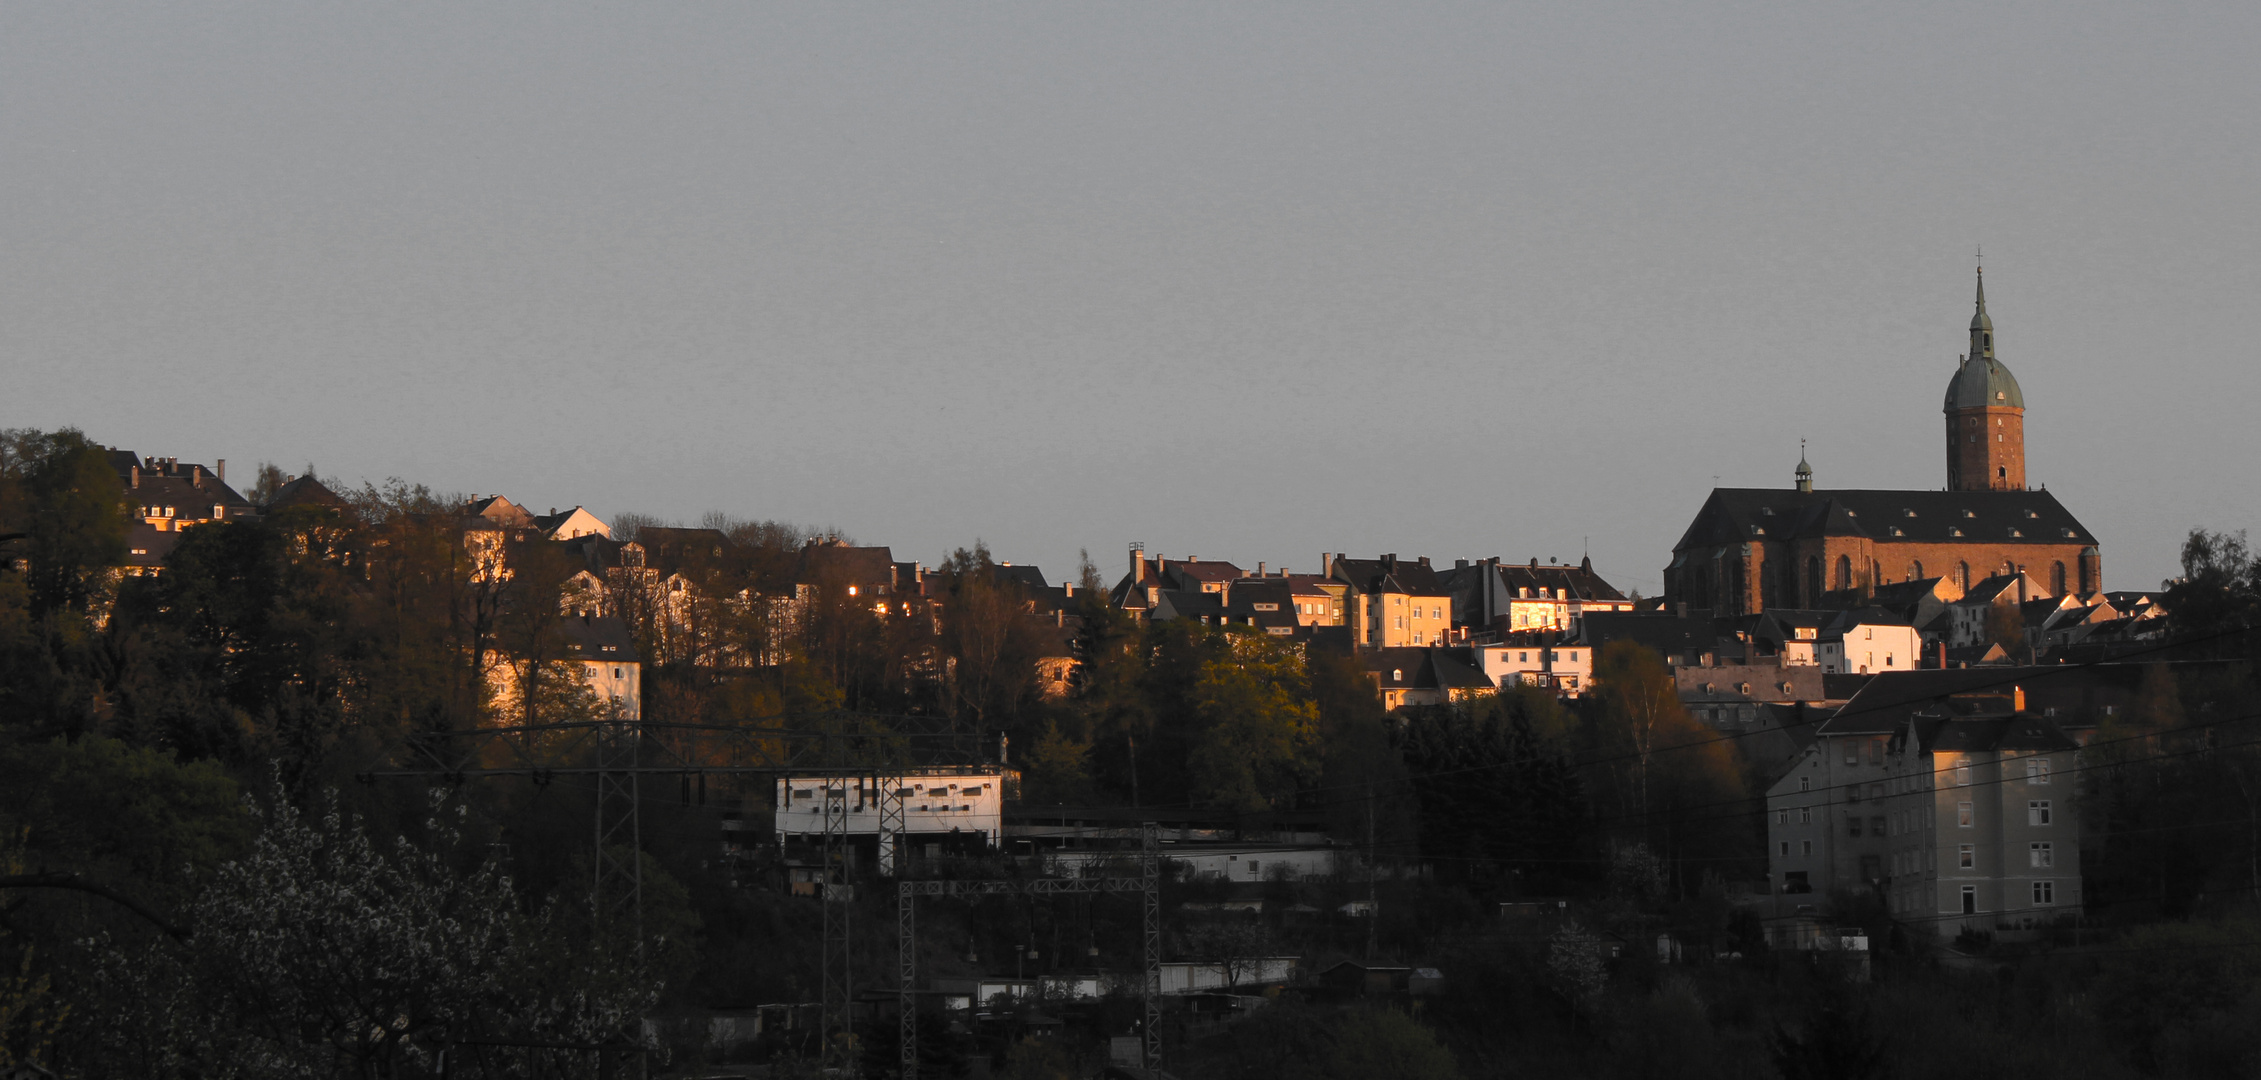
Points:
(324, 953)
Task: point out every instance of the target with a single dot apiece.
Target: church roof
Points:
(1983, 382)
(1736, 515)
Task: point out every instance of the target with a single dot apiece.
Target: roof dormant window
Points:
(1910, 513)
(1970, 513)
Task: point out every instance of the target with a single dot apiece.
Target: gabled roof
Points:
(1389, 574)
(305, 491)
(499, 510)
(598, 638)
(1736, 515)
(1995, 589)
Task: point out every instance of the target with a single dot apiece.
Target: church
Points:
(1754, 548)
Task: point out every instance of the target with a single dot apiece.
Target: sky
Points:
(1241, 281)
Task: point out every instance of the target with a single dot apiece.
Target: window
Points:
(1805, 847)
(1852, 752)
(1962, 774)
(1786, 849)
(2042, 854)
(1970, 899)
(1782, 817)
(1254, 867)
(1966, 856)
(2037, 812)
(1397, 674)
(2037, 769)
(1805, 783)
(1964, 815)
(2044, 893)
(1805, 815)
(1853, 825)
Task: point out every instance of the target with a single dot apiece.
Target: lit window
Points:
(2037, 812)
(2042, 854)
(1963, 815)
(2037, 769)
(1966, 856)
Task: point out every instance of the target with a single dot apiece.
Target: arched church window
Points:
(1813, 579)
(2057, 579)
(1844, 572)
(1963, 576)
(1915, 570)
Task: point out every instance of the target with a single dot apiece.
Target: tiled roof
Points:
(1736, 515)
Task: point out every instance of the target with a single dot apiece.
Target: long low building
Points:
(941, 802)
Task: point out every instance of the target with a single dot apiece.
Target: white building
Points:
(1567, 668)
(936, 803)
(1869, 641)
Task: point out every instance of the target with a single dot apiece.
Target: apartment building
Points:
(1981, 830)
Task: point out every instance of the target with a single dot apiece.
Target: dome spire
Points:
(1982, 326)
(1805, 471)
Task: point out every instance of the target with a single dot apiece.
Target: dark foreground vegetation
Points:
(196, 883)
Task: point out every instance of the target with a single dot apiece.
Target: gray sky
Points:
(1242, 281)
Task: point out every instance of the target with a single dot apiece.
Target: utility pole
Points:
(1373, 910)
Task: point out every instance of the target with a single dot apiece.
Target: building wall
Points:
(1866, 649)
(933, 802)
(1833, 800)
(1930, 834)
(1390, 620)
(1567, 668)
(1747, 577)
(1986, 449)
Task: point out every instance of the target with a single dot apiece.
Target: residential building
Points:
(1425, 674)
(1537, 660)
(1867, 641)
(570, 524)
(1496, 599)
(168, 495)
(1992, 608)
(1393, 604)
(1982, 832)
(598, 650)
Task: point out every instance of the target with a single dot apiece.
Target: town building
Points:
(1393, 603)
(1494, 599)
(1867, 641)
(1981, 830)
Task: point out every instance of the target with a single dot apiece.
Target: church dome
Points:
(1982, 383)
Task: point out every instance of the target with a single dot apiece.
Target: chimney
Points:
(1067, 588)
(1460, 564)
(1942, 656)
(1326, 564)
(1424, 561)
(1389, 561)
(1138, 564)
(1683, 609)
(1193, 558)
(136, 475)
(222, 470)
(196, 476)
(1259, 569)
(2017, 699)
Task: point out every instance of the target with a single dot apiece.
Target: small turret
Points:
(1805, 471)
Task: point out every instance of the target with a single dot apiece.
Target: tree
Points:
(1657, 761)
(323, 950)
(1254, 741)
(1385, 1044)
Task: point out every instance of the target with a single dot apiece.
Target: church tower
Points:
(1985, 415)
